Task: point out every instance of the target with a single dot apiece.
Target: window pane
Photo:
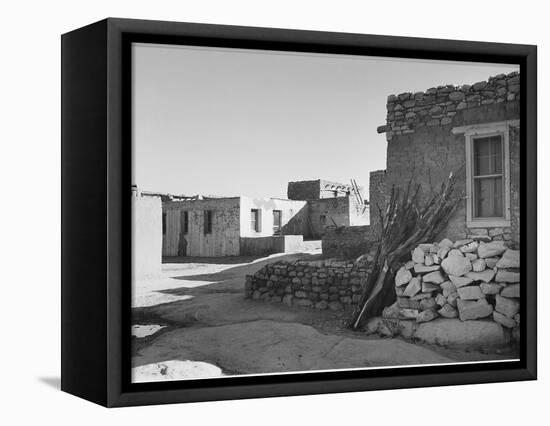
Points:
(487, 156)
(488, 197)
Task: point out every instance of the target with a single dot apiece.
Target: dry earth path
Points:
(210, 329)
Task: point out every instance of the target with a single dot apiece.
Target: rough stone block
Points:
(452, 298)
(447, 311)
(507, 276)
(453, 332)
(506, 306)
(486, 276)
(440, 299)
(470, 309)
(428, 287)
(511, 290)
(413, 287)
(408, 313)
(470, 293)
(479, 265)
(418, 255)
(504, 320)
(495, 248)
(402, 277)
(425, 316)
(433, 277)
(456, 265)
(491, 262)
(490, 288)
(448, 288)
(428, 303)
(460, 281)
(423, 269)
(510, 259)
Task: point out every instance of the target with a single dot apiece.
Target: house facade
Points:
(232, 226)
(473, 130)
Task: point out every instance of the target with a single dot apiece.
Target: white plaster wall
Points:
(146, 238)
(294, 216)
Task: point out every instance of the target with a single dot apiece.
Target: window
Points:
(163, 224)
(208, 221)
(277, 221)
(487, 173)
(184, 221)
(255, 220)
(488, 177)
(323, 220)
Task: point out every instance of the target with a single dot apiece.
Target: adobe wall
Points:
(377, 195)
(324, 284)
(349, 242)
(294, 216)
(146, 238)
(260, 246)
(420, 142)
(224, 239)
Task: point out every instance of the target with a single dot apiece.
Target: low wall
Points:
(268, 245)
(322, 284)
(349, 242)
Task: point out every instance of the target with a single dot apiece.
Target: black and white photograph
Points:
(298, 212)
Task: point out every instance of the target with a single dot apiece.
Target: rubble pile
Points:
(467, 279)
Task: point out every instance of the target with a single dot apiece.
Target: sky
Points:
(229, 122)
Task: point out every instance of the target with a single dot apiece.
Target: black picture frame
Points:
(96, 212)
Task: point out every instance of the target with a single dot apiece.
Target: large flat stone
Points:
(423, 269)
(470, 310)
(486, 276)
(511, 290)
(507, 276)
(510, 259)
(453, 332)
(460, 281)
(402, 277)
(418, 255)
(413, 287)
(495, 248)
(456, 265)
(433, 277)
(506, 306)
(472, 292)
(490, 288)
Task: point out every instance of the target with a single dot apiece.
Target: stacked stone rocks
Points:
(322, 284)
(468, 279)
(437, 106)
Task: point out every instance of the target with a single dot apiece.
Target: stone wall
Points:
(349, 242)
(323, 284)
(422, 147)
(465, 280)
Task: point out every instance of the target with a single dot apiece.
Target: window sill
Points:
(488, 223)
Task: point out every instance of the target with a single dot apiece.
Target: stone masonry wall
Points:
(349, 242)
(323, 284)
(422, 147)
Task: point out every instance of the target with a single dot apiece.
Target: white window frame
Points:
(501, 128)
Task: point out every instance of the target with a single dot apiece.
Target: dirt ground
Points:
(202, 326)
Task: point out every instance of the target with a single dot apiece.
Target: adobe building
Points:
(232, 226)
(431, 134)
(474, 128)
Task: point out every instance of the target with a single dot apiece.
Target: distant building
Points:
(232, 226)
